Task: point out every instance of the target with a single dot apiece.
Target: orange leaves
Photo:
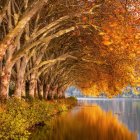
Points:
(84, 19)
(116, 43)
(137, 36)
(113, 24)
(106, 42)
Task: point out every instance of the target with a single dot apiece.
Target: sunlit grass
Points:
(19, 118)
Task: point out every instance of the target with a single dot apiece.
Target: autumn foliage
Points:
(117, 55)
(47, 46)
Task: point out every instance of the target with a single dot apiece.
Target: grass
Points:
(18, 118)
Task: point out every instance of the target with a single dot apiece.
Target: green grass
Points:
(18, 118)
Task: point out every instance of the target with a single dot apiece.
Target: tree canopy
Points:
(49, 45)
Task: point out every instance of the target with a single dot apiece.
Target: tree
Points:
(29, 28)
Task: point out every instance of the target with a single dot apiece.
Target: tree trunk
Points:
(0, 74)
(20, 86)
(20, 90)
(6, 73)
(5, 82)
(60, 93)
(54, 92)
(50, 93)
(40, 89)
(47, 88)
(63, 93)
(33, 86)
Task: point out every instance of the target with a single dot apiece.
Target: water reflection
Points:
(86, 123)
(127, 110)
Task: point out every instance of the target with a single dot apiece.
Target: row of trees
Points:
(48, 45)
(26, 52)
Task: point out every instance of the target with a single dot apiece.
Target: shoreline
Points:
(19, 119)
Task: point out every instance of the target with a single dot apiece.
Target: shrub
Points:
(18, 118)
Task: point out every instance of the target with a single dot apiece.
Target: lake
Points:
(96, 119)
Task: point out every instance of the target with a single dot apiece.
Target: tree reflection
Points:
(90, 123)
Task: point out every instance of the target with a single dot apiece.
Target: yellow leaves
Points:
(107, 40)
(113, 24)
(109, 96)
(137, 36)
(93, 90)
(135, 90)
(111, 49)
(132, 55)
(102, 33)
(107, 43)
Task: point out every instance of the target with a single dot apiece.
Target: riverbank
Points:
(19, 118)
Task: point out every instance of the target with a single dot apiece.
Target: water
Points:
(127, 110)
(95, 119)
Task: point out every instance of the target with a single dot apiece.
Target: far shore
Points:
(96, 98)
